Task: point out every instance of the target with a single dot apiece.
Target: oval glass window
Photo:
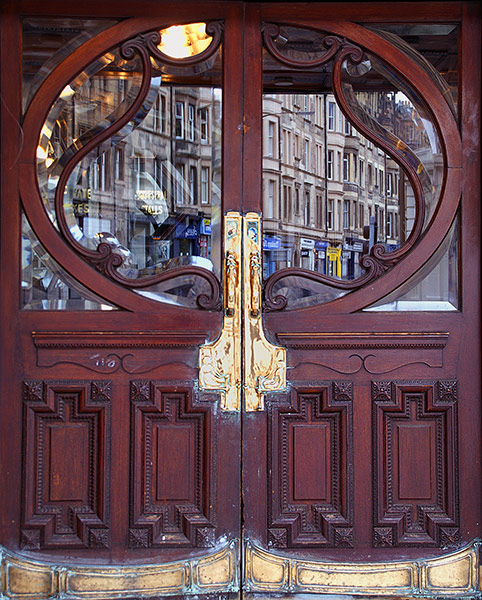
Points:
(129, 163)
(349, 174)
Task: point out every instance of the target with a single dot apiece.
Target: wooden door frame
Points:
(45, 578)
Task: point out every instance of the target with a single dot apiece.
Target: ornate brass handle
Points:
(242, 359)
(231, 281)
(255, 284)
(264, 363)
(220, 361)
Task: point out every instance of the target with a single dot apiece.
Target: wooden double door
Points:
(240, 299)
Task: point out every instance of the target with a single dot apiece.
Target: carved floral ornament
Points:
(344, 47)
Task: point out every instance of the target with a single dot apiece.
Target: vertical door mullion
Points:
(252, 122)
(232, 108)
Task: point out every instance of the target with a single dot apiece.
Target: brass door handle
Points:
(242, 359)
(231, 281)
(264, 363)
(220, 365)
(255, 284)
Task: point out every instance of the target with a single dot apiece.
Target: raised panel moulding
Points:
(310, 457)
(173, 458)
(66, 433)
(415, 458)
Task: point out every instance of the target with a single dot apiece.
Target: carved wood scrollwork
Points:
(378, 260)
(104, 258)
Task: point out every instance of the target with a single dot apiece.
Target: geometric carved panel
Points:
(310, 453)
(415, 464)
(67, 464)
(172, 461)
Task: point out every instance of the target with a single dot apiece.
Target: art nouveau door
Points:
(363, 457)
(138, 421)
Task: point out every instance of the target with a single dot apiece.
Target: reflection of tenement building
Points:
(153, 189)
(323, 182)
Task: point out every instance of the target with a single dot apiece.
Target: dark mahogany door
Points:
(371, 452)
(206, 202)
(120, 154)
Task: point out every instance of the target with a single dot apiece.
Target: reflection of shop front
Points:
(307, 255)
(186, 238)
(193, 237)
(333, 261)
(204, 239)
(277, 254)
(351, 254)
(320, 256)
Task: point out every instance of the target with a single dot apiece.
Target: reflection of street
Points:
(329, 194)
(149, 191)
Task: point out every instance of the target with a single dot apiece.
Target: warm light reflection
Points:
(41, 153)
(182, 41)
(67, 92)
(44, 155)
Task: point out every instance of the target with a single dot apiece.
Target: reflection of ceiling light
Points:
(67, 92)
(283, 81)
(46, 155)
(182, 41)
(41, 153)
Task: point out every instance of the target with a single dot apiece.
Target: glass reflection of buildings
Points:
(153, 192)
(323, 182)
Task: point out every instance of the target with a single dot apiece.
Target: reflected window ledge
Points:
(411, 306)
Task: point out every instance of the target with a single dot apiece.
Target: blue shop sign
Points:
(271, 243)
(320, 245)
(189, 232)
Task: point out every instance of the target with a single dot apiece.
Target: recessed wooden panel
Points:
(416, 461)
(69, 470)
(172, 458)
(174, 476)
(67, 462)
(310, 457)
(415, 456)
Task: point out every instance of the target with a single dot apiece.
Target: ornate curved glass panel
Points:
(129, 162)
(46, 286)
(48, 41)
(437, 43)
(353, 165)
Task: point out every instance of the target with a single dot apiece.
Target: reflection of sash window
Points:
(329, 216)
(178, 185)
(329, 173)
(191, 123)
(179, 120)
(204, 185)
(192, 185)
(203, 118)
